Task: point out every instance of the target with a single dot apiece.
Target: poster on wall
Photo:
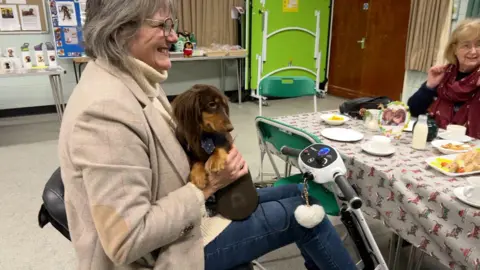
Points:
(290, 5)
(9, 18)
(30, 17)
(67, 25)
(66, 14)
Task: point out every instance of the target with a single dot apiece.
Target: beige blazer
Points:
(125, 177)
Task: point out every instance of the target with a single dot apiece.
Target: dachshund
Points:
(203, 129)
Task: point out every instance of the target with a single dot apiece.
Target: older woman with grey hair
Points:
(129, 204)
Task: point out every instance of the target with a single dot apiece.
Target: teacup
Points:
(456, 130)
(380, 142)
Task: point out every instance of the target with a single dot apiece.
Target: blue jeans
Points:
(272, 226)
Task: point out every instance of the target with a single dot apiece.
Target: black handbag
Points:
(353, 107)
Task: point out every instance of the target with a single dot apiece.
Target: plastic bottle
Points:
(420, 133)
(193, 40)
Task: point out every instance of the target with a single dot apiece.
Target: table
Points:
(79, 62)
(54, 75)
(414, 201)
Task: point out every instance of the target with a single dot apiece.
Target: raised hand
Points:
(435, 75)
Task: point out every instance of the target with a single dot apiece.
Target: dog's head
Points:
(201, 109)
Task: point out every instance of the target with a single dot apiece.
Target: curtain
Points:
(444, 35)
(209, 20)
(424, 33)
(473, 9)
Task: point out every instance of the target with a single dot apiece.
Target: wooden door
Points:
(382, 62)
(349, 26)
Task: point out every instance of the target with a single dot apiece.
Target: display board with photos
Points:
(68, 18)
(23, 17)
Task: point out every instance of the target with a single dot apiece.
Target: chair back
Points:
(278, 134)
(53, 208)
(273, 135)
(287, 87)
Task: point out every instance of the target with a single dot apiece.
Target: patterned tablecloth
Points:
(413, 200)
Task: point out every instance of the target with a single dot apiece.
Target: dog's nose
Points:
(229, 127)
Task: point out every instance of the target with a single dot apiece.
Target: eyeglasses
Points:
(167, 25)
(466, 46)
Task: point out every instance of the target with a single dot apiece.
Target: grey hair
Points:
(110, 25)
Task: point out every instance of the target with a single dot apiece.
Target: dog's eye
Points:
(212, 105)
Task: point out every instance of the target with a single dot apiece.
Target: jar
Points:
(370, 119)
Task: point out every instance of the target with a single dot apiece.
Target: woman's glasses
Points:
(167, 25)
(467, 46)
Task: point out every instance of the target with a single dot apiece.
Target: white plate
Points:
(458, 192)
(464, 138)
(438, 144)
(326, 119)
(450, 157)
(342, 134)
(368, 147)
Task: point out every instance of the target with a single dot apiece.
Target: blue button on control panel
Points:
(324, 151)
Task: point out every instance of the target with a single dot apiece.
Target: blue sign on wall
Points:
(67, 24)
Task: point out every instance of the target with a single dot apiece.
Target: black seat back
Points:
(53, 208)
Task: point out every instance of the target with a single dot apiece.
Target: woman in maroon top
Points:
(451, 93)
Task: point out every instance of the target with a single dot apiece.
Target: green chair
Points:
(287, 87)
(273, 135)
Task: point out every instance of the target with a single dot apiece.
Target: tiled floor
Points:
(28, 154)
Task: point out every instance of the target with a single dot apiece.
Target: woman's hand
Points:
(435, 75)
(235, 167)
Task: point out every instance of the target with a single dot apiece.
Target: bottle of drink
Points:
(420, 133)
(193, 40)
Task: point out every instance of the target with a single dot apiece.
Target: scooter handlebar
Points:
(348, 192)
(294, 152)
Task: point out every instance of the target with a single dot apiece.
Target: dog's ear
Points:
(227, 107)
(187, 114)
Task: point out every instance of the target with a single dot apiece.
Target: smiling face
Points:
(468, 55)
(152, 42)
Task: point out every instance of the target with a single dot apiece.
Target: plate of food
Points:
(458, 164)
(334, 119)
(448, 147)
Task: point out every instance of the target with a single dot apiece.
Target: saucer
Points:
(463, 138)
(384, 151)
(458, 192)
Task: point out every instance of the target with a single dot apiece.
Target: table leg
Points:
(239, 80)
(80, 70)
(420, 260)
(75, 71)
(56, 97)
(411, 257)
(391, 253)
(397, 253)
(60, 89)
(222, 76)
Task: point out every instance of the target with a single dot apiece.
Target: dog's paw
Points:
(198, 175)
(216, 162)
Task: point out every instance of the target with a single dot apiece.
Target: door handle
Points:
(362, 43)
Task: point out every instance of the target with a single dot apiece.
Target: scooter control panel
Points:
(318, 156)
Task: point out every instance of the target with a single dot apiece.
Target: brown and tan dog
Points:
(203, 128)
